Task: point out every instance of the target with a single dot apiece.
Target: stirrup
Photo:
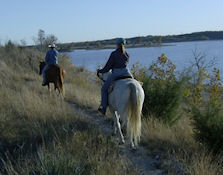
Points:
(44, 84)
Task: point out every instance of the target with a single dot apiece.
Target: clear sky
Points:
(82, 20)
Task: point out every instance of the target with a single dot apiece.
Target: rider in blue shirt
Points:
(50, 58)
(117, 62)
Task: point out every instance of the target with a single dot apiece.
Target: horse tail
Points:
(61, 79)
(134, 114)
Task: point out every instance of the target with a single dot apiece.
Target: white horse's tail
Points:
(134, 114)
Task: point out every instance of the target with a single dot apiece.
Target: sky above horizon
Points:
(89, 20)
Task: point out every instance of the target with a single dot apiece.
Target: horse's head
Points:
(41, 66)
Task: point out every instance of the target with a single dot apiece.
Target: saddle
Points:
(54, 66)
(123, 77)
(110, 89)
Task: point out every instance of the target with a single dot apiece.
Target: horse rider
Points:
(117, 62)
(50, 59)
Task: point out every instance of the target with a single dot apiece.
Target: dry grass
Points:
(178, 147)
(81, 86)
(41, 134)
(85, 97)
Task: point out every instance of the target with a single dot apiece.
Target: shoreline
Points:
(135, 46)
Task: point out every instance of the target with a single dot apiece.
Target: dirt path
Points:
(140, 159)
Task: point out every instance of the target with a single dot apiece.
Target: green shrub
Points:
(208, 127)
(208, 117)
(163, 93)
(162, 99)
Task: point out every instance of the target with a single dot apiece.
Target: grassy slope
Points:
(36, 139)
(40, 134)
(176, 145)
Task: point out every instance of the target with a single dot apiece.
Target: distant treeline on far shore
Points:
(143, 41)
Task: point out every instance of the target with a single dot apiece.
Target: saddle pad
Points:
(123, 77)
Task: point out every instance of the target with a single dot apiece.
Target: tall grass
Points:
(41, 134)
(180, 153)
(80, 85)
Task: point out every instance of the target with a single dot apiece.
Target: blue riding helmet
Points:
(121, 41)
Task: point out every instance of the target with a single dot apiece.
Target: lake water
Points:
(181, 54)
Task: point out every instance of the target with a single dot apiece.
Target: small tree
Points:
(87, 45)
(199, 75)
(149, 44)
(50, 39)
(23, 42)
(98, 43)
(139, 40)
(41, 38)
(138, 71)
(159, 40)
(163, 93)
(208, 118)
(9, 46)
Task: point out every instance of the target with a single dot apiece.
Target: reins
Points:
(98, 75)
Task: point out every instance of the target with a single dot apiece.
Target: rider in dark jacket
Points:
(50, 58)
(117, 62)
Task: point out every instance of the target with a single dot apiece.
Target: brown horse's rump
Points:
(54, 74)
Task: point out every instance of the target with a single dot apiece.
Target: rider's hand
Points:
(98, 72)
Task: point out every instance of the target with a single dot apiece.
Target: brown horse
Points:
(54, 74)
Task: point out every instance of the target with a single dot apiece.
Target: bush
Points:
(162, 99)
(163, 93)
(208, 126)
(208, 117)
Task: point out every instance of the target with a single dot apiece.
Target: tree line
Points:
(144, 41)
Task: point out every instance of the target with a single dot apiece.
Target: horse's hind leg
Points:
(62, 91)
(118, 125)
(128, 130)
(56, 88)
(49, 89)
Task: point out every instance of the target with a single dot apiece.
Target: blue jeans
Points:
(104, 90)
(44, 72)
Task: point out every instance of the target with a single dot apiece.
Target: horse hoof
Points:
(121, 142)
(133, 147)
(133, 150)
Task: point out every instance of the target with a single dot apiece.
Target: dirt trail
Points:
(139, 159)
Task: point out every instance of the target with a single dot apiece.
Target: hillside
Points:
(43, 134)
(144, 41)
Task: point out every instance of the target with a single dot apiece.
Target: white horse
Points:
(125, 102)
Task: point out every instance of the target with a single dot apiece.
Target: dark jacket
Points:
(116, 60)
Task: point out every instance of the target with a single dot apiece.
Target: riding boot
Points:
(44, 75)
(44, 83)
(102, 110)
